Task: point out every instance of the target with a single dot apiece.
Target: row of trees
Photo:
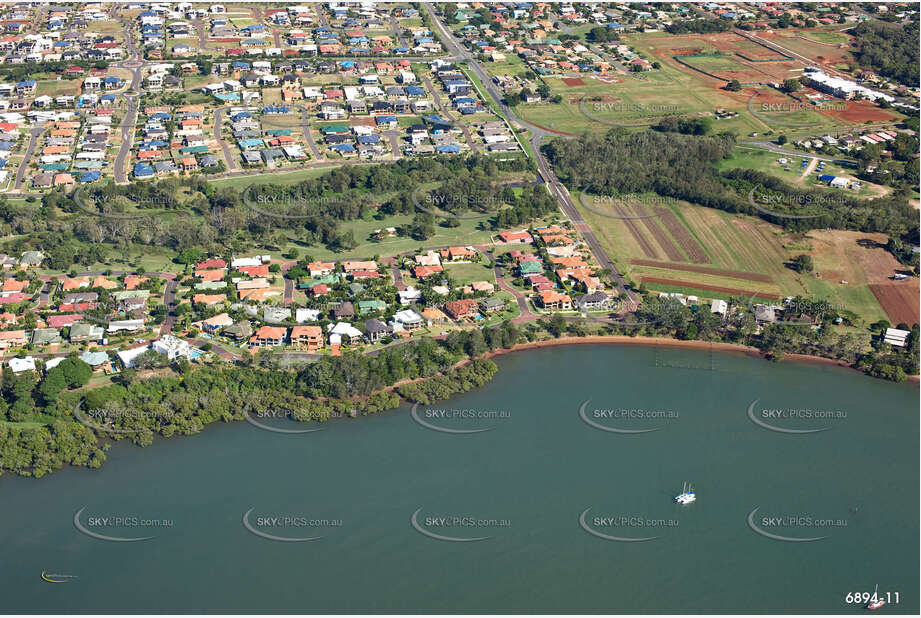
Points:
(684, 167)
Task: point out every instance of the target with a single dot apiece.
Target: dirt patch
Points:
(899, 301)
(709, 288)
(573, 81)
(719, 272)
(863, 256)
(861, 112)
(362, 121)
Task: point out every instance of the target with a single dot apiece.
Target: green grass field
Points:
(832, 38)
(467, 273)
(279, 178)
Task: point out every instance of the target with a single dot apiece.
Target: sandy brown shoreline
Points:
(664, 341)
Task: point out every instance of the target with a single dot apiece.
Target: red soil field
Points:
(860, 112)
(719, 272)
(710, 288)
(573, 81)
(899, 301)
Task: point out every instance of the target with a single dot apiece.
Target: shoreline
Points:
(667, 342)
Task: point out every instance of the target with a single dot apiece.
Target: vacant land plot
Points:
(467, 273)
(721, 272)
(695, 89)
(821, 53)
(899, 300)
(681, 235)
(828, 38)
(707, 288)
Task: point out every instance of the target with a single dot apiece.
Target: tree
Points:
(802, 263)
(734, 85)
(556, 325)
(791, 85)
(781, 140)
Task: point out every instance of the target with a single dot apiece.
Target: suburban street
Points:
(30, 150)
(135, 64)
(229, 159)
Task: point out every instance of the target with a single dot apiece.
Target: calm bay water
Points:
(529, 477)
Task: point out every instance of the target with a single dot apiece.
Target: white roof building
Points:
(344, 329)
(407, 316)
(302, 315)
(896, 337)
(22, 364)
(253, 261)
(719, 306)
(409, 296)
(51, 363)
(119, 325)
(127, 356)
(173, 347)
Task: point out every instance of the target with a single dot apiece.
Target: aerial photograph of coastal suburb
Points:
(393, 308)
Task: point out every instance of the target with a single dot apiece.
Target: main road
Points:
(30, 150)
(556, 188)
(133, 94)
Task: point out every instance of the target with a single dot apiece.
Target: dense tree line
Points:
(891, 50)
(699, 26)
(56, 423)
(687, 126)
(455, 381)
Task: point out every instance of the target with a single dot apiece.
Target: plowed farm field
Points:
(899, 300)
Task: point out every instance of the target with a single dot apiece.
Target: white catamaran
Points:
(686, 496)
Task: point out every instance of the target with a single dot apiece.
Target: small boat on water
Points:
(686, 496)
(875, 601)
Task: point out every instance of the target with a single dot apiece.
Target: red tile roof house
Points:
(319, 289)
(365, 274)
(59, 321)
(515, 237)
(255, 271)
(12, 339)
(268, 336)
(15, 297)
(460, 309)
(550, 299)
(211, 264)
(210, 275)
(310, 337)
(458, 254)
(421, 272)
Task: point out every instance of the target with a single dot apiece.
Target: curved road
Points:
(33, 141)
(135, 64)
